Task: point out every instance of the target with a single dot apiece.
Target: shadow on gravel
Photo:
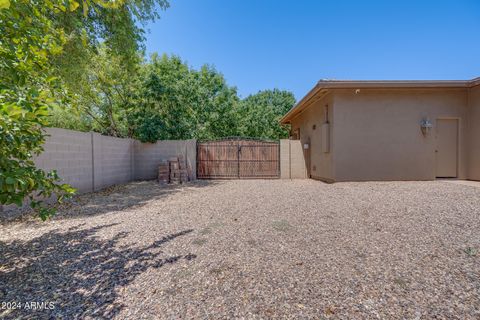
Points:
(115, 198)
(81, 274)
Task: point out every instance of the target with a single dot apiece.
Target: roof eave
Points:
(286, 118)
(341, 84)
(376, 84)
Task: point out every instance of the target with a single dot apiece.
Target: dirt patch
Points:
(251, 249)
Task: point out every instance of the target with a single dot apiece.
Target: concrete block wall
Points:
(284, 159)
(89, 161)
(113, 161)
(70, 153)
(292, 160)
(149, 155)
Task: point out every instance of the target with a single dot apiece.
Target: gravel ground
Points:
(251, 249)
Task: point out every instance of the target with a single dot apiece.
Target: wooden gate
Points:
(238, 158)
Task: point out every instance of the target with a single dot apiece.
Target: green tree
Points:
(164, 98)
(39, 47)
(104, 96)
(26, 92)
(69, 118)
(107, 93)
(174, 101)
(260, 114)
(217, 106)
(112, 26)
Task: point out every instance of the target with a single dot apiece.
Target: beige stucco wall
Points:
(474, 133)
(319, 164)
(377, 133)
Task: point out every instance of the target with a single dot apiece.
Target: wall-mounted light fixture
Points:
(425, 126)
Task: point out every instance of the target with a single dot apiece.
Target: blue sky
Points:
(266, 44)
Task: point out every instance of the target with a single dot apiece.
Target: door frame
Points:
(459, 121)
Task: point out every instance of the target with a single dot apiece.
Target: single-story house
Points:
(389, 130)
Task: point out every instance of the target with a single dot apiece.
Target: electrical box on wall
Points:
(326, 137)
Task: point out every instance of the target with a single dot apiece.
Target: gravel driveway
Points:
(252, 249)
